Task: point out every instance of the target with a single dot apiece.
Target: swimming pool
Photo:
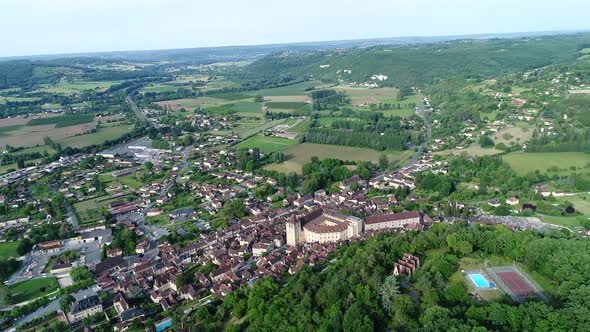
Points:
(161, 326)
(479, 280)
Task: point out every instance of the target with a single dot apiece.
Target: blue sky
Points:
(65, 26)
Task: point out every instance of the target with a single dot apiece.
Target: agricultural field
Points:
(67, 130)
(299, 89)
(4, 100)
(267, 144)
(288, 99)
(562, 163)
(288, 105)
(365, 96)
(62, 120)
(77, 87)
(32, 289)
(192, 103)
(8, 250)
(301, 154)
(103, 134)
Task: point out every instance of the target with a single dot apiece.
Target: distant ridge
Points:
(248, 52)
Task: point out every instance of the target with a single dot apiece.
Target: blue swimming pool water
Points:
(161, 326)
(479, 280)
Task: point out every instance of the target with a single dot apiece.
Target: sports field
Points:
(267, 144)
(301, 154)
(32, 289)
(551, 162)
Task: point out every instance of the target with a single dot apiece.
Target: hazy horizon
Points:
(46, 27)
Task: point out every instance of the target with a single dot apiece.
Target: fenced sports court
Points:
(515, 283)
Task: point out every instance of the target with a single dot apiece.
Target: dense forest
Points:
(445, 60)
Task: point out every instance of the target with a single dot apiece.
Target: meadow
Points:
(513, 135)
(563, 163)
(267, 144)
(301, 154)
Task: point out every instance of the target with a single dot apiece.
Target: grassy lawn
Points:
(267, 144)
(8, 249)
(581, 202)
(573, 221)
(552, 162)
(32, 289)
(301, 154)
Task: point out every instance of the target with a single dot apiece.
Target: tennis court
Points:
(516, 284)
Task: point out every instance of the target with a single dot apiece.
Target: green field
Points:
(552, 162)
(288, 105)
(34, 288)
(301, 154)
(99, 137)
(8, 250)
(77, 86)
(289, 90)
(570, 222)
(4, 100)
(62, 120)
(267, 144)
(246, 107)
(9, 128)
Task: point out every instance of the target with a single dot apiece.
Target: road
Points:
(140, 115)
(421, 111)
